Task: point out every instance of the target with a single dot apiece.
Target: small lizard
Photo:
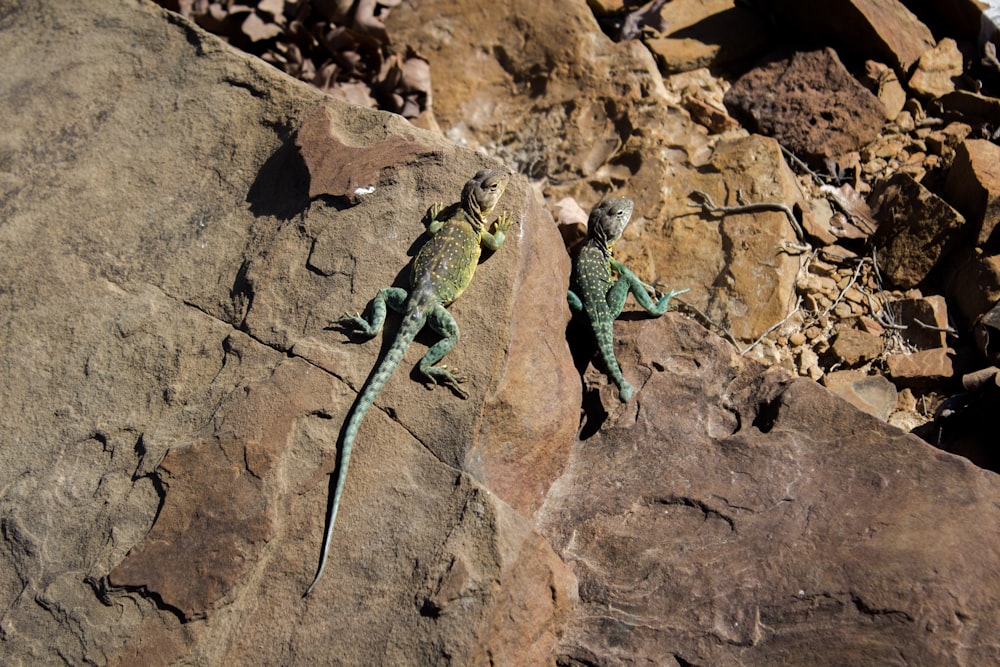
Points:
(594, 292)
(440, 273)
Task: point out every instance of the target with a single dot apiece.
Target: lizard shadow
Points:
(583, 349)
(281, 188)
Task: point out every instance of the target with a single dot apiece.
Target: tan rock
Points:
(925, 319)
(885, 84)
(973, 285)
(702, 33)
(869, 393)
(936, 69)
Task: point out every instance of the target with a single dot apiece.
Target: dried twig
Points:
(710, 206)
(931, 327)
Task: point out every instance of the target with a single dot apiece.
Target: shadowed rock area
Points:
(179, 225)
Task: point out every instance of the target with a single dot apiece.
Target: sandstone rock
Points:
(704, 34)
(809, 103)
(869, 393)
(921, 367)
(853, 347)
(177, 396)
(731, 517)
(885, 84)
(936, 70)
(882, 29)
(916, 229)
(973, 187)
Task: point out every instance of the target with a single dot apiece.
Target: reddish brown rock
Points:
(921, 367)
(882, 29)
(853, 347)
(177, 429)
(973, 187)
(916, 229)
(809, 103)
(733, 516)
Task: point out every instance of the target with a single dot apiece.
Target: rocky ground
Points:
(180, 222)
(886, 121)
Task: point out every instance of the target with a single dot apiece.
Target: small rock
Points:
(973, 187)
(972, 107)
(936, 69)
(808, 364)
(906, 401)
(916, 229)
(924, 366)
(855, 347)
(871, 393)
(886, 86)
(796, 339)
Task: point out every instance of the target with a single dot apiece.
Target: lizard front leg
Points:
(494, 240)
(441, 321)
(435, 224)
(393, 297)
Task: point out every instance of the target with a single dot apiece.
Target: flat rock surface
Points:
(729, 516)
(173, 394)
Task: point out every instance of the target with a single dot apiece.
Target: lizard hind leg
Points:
(393, 297)
(441, 321)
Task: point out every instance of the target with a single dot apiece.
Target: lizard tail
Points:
(412, 323)
(606, 347)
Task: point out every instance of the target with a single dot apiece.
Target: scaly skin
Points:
(441, 271)
(594, 291)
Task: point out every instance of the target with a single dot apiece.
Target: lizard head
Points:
(607, 221)
(482, 193)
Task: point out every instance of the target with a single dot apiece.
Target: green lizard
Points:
(594, 292)
(440, 273)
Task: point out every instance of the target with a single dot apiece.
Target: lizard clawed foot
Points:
(441, 375)
(354, 324)
(665, 300)
(504, 222)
